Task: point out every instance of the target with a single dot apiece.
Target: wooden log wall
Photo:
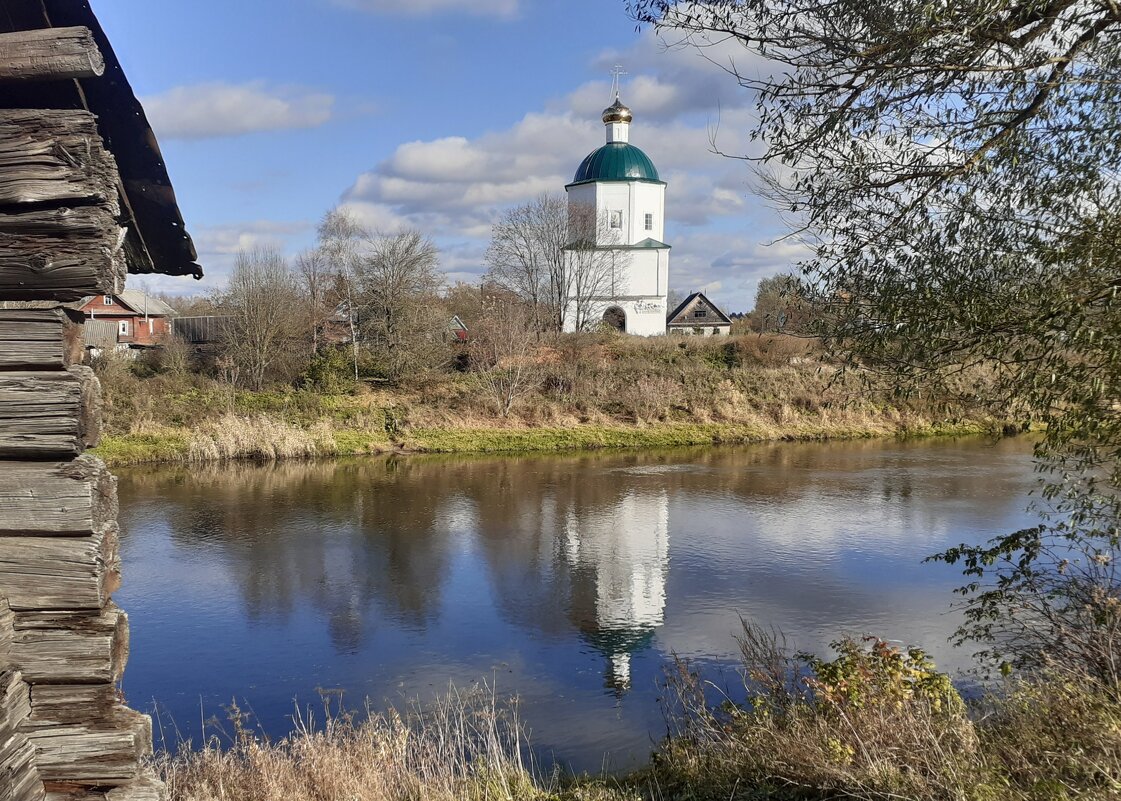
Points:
(65, 732)
(59, 236)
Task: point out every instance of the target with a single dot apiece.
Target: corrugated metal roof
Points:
(145, 304)
(616, 161)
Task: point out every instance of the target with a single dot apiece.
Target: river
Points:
(568, 580)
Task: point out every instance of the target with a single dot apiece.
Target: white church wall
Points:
(647, 199)
(641, 272)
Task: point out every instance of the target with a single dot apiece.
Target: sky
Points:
(434, 114)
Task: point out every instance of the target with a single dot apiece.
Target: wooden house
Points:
(85, 199)
(141, 321)
(697, 315)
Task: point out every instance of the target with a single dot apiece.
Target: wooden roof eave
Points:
(156, 239)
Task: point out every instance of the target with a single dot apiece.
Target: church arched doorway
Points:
(615, 318)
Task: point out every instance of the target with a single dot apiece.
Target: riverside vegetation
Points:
(876, 722)
(574, 391)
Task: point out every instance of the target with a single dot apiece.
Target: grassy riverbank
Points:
(614, 393)
(875, 723)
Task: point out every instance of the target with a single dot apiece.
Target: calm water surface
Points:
(567, 580)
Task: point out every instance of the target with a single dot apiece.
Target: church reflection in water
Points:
(619, 561)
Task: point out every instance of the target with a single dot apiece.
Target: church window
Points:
(649, 222)
(616, 219)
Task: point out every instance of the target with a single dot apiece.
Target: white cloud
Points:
(208, 110)
(420, 8)
(218, 246)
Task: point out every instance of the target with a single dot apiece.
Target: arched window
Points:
(615, 318)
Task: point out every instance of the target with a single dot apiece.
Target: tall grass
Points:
(463, 746)
(876, 722)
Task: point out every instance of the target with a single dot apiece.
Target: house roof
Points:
(157, 240)
(688, 304)
(99, 333)
(139, 302)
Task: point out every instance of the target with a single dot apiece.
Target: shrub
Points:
(330, 372)
(875, 722)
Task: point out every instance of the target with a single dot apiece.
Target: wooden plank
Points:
(71, 648)
(61, 253)
(104, 753)
(50, 54)
(72, 703)
(56, 498)
(47, 415)
(60, 573)
(49, 156)
(40, 339)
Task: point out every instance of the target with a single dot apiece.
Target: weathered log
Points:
(54, 157)
(49, 415)
(60, 573)
(49, 54)
(40, 339)
(72, 703)
(61, 253)
(101, 753)
(19, 778)
(146, 788)
(71, 648)
(7, 632)
(15, 702)
(56, 498)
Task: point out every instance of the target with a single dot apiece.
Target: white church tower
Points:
(621, 184)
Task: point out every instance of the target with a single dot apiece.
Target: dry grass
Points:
(464, 746)
(259, 437)
(589, 392)
(876, 723)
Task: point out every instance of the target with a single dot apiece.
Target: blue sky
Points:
(435, 114)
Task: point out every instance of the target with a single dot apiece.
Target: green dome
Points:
(616, 161)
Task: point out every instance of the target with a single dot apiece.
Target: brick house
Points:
(141, 321)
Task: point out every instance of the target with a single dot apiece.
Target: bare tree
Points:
(526, 256)
(339, 238)
(556, 256)
(593, 265)
(502, 351)
(319, 286)
(397, 281)
(260, 304)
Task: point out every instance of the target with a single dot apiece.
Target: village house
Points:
(697, 315)
(131, 319)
